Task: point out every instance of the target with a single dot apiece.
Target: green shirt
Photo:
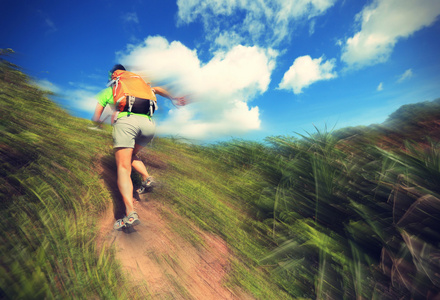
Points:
(105, 97)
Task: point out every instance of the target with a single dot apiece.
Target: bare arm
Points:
(98, 112)
(164, 93)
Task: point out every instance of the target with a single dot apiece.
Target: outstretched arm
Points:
(164, 93)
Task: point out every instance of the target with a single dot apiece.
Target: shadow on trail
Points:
(109, 175)
(157, 260)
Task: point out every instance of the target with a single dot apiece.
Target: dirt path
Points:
(158, 261)
(170, 267)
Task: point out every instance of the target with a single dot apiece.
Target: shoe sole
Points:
(120, 228)
(145, 189)
(134, 223)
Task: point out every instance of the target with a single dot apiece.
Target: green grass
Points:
(50, 197)
(51, 194)
(199, 189)
(336, 215)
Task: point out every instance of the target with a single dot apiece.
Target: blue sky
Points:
(251, 68)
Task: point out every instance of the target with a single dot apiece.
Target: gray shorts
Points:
(131, 130)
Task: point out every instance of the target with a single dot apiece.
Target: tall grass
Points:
(322, 216)
(200, 189)
(51, 196)
(50, 199)
(351, 220)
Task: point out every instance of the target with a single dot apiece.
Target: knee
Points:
(123, 158)
(124, 166)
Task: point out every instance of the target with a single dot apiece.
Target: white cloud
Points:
(269, 21)
(158, 58)
(83, 86)
(46, 85)
(227, 38)
(221, 89)
(312, 27)
(83, 100)
(306, 71)
(406, 75)
(238, 119)
(80, 97)
(380, 87)
(382, 24)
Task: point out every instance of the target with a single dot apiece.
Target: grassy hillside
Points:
(347, 215)
(52, 195)
(415, 122)
(350, 214)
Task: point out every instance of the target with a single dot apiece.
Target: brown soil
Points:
(158, 261)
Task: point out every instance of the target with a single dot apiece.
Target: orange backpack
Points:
(131, 93)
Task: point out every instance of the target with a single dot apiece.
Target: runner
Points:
(133, 128)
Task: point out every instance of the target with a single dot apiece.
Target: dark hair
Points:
(117, 67)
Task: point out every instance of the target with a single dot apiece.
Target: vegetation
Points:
(49, 199)
(351, 214)
(350, 224)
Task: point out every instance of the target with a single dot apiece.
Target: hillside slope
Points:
(411, 122)
(50, 197)
(347, 215)
(58, 203)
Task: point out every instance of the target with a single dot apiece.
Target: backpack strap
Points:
(153, 107)
(112, 82)
(119, 101)
(153, 104)
(131, 100)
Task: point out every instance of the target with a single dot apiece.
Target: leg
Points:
(138, 165)
(123, 162)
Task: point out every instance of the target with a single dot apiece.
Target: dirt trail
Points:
(158, 261)
(168, 265)
(161, 263)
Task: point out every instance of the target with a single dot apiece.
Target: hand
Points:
(98, 124)
(181, 101)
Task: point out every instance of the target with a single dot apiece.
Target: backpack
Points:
(132, 94)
